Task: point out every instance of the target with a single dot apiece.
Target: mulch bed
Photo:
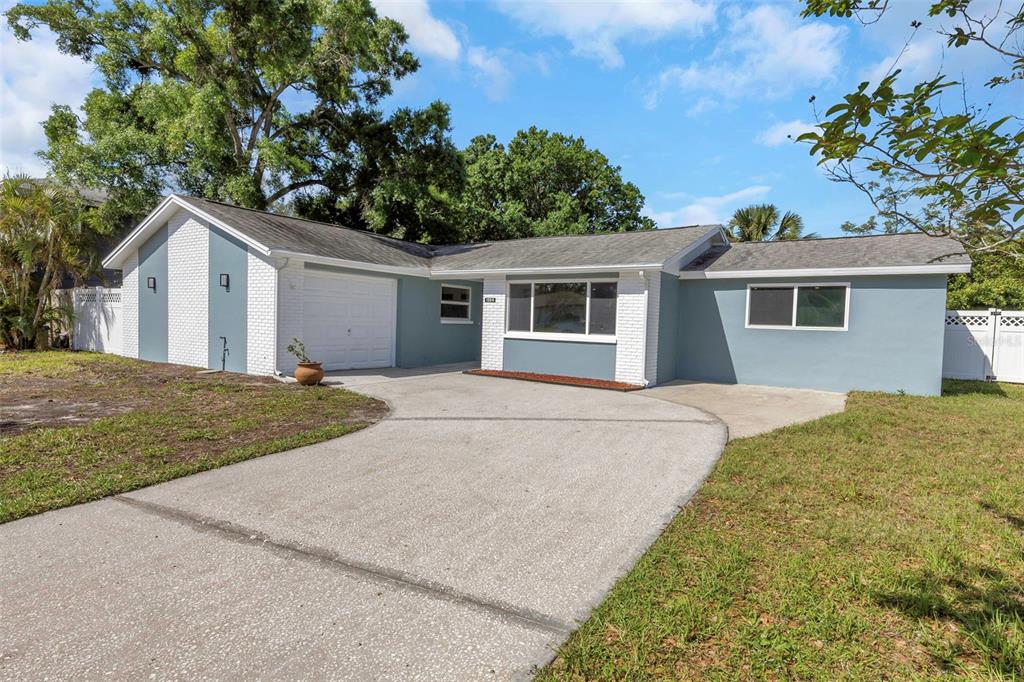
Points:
(557, 379)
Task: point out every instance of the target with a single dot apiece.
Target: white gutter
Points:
(829, 272)
(568, 270)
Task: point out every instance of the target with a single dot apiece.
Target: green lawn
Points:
(886, 542)
(79, 426)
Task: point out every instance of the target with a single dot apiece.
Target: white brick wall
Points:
(130, 306)
(291, 282)
(188, 291)
(631, 311)
(653, 320)
(261, 315)
(493, 325)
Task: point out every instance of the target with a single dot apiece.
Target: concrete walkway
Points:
(461, 538)
(750, 410)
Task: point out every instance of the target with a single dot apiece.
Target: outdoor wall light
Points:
(225, 280)
(151, 283)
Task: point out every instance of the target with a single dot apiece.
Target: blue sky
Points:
(692, 98)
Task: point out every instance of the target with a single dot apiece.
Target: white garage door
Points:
(349, 321)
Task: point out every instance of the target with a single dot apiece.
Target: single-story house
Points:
(211, 285)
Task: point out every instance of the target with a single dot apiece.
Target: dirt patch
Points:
(557, 379)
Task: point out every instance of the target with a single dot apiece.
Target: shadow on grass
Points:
(984, 603)
(961, 387)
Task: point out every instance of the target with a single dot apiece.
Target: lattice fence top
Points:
(92, 295)
(966, 320)
(1012, 321)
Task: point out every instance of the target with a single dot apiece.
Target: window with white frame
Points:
(585, 308)
(455, 304)
(798, 306)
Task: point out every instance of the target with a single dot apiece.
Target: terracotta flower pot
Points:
(309, 373)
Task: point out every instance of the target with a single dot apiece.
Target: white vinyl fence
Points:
(97, 319)
(984, 344)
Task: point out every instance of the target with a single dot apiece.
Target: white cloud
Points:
(708, 210)
(427, 34)
(492, 71)
(783, 132)
(595, 29)
(767, 51)
(34, 77)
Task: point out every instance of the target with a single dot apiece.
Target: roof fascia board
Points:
(117, 256)
(673, 264)
(352, 264)
(830, 272)
(565, 269)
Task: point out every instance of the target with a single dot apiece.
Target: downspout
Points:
(279, 265)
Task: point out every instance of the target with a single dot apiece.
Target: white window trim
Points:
(468, 303)
(585, 337)
(794, 286)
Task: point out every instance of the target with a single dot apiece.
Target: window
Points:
(455, 304)
(555, 309)
(798, 306)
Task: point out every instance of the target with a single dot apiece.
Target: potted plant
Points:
(307, 372)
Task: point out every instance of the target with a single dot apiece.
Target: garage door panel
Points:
(349, 321)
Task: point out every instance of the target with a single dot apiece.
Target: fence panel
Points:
(97, 319)
(984, 345)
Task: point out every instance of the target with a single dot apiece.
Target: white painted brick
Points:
(630, 326)
(261, 315)
(291, 283)
(653, 322)
(493, 325)
(130, 306)
(188, 290)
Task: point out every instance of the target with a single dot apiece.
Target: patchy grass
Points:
(79, 426)
(884, 542)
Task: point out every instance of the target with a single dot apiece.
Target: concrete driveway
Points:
(461, 538)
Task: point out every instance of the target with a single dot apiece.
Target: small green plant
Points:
(298, 349)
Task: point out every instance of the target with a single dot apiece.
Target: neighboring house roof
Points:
(577, 252)
(874, 254)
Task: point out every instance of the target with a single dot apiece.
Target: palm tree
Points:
(761, 223)
(41, 230)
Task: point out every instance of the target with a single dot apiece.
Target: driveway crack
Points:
(233, 532)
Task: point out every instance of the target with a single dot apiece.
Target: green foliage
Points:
(540, 184)
(45, 233)
(193, 98)
(761, 222)
(922, 165)
(995, 281)
(298, 349)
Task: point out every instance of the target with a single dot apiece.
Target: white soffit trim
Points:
(155, 219)
(351, 264)
(829, 272)
(693, 250)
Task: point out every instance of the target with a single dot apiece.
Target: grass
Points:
(886, 542)
(132, 424)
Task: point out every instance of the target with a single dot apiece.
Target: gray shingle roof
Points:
(838, 252)
(576, 251)
(282, 233)
(277, 232)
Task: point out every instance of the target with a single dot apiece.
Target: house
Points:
(212, 285)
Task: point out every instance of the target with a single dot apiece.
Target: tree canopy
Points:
(927, 160)
(761, 222)
(245, 102)
(544, 183)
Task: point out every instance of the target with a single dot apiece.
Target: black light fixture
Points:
(151, 283)
(225, 280)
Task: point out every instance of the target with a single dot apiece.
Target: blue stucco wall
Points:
(565, 358)
(894, 341)
(153, 304)
(227, 306)
(421, 339)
